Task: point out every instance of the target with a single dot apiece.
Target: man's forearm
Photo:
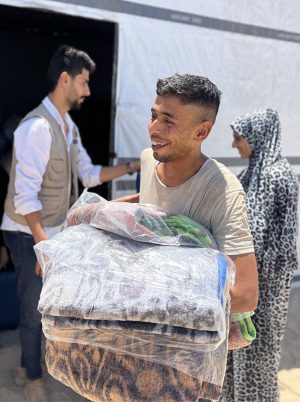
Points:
(129, 198)
(108, 173)
(242, 303)
(34, 221)
(244, 293)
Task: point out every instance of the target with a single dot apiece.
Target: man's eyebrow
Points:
(153, 110)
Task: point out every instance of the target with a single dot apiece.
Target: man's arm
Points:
(34, 221)
(108, 173)
(92, 175)
(129, 198)
(32, 146)
(244, 293)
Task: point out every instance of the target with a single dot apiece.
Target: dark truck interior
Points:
(28, 38)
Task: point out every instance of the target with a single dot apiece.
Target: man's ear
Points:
(203, 130)
(64, 79)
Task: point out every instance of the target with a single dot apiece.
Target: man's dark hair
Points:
(191, 89)
(68, 59)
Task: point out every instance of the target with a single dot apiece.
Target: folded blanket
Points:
(104, 376)
(131, 337)
(93, 274)
(200, 354)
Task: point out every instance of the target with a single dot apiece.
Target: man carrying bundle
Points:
(177, 176)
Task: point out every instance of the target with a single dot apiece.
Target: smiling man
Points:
(48, 156)
(177, 176)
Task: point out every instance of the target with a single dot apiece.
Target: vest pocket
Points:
(58, 166)
(57, 172)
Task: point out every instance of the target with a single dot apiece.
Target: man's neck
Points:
(178, 172)
(59, 103)
(61, 108)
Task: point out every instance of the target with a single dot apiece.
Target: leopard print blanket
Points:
(101, 375)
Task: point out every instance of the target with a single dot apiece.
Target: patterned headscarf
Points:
(262, 131)
(268, 177)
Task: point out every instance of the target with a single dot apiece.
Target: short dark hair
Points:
(191, 89)
(69, 59)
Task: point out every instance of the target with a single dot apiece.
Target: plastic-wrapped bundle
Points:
(93, 274)
(162, 305)
(146, 223)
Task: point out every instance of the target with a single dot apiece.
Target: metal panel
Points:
(142, 10)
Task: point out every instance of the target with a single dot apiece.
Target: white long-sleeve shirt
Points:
(32, 142)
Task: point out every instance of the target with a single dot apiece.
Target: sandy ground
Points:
(9, 360)
(289, 374)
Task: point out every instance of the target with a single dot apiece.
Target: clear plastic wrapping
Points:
(158, 306)
(146, 223)
(99, 275)
(105, 281)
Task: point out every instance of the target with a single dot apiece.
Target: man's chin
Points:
(160, 158)
(76, 106)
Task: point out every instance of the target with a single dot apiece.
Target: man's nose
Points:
(233, 144)
(155, 126)
(87, 91)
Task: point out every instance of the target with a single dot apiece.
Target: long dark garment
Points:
(272, 193)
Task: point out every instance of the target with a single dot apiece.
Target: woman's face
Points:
(242, 145)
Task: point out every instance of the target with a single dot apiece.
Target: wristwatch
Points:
(129, 169)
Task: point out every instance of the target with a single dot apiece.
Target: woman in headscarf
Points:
(272, 193)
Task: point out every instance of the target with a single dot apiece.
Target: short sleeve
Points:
(230, 226)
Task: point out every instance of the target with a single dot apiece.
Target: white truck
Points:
(251, 50)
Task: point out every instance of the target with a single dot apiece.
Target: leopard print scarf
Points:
(268, 176)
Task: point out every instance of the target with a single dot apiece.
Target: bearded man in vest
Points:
(48, 158)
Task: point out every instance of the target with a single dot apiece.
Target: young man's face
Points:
(78, 89)
(173, 129)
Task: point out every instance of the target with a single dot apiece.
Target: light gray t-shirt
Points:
(212, 197)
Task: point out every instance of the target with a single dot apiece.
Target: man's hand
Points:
(135, 166)
(38, 270)
(3, 257)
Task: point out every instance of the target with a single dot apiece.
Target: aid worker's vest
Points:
(62, 165)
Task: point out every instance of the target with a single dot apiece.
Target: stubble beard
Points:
(75, 105)
(163, 159)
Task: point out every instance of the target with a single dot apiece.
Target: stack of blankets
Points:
(129, 320)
